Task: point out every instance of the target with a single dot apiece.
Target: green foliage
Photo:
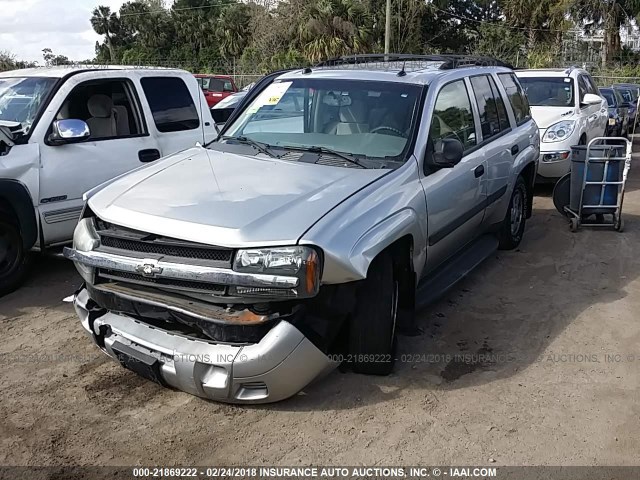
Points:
(8, 61)
(499, 41)
(250, 37)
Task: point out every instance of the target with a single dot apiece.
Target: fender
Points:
(401, 224)
(353, 264)
(18, 198)
(368, 222)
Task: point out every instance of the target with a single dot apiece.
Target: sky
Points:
(28, 26)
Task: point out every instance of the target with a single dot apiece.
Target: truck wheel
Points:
(512, 227)
(372, 330)
(13, 258)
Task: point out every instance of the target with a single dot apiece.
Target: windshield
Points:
(608, 94)
(548, 91)
(364, 118)
(22, 98)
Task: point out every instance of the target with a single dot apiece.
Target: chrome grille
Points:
(167, 283)
(162, 248)
(129, 240)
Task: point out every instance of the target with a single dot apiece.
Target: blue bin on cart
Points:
(593, 193)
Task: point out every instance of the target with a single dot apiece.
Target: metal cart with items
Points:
(591, 195)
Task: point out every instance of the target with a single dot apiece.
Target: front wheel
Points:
(512, 229)
(13, 257)
(372, 329)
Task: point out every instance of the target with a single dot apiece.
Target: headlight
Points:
(559, 131)
(85, 239)
(296, 261)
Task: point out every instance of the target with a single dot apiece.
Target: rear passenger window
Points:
(517, 97)
(493, 115)
(171, 104)
(452, 116)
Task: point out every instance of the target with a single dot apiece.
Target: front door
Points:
(455, 196)
(119, 142)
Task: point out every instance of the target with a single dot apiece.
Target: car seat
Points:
(106, 119)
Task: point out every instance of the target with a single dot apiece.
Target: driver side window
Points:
(453, 117)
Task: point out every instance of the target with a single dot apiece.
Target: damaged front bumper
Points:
(282, 363)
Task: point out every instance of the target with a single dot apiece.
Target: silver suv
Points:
(336, 200)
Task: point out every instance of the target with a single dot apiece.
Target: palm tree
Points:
(104, 23)
(335, 27)
(233, 30)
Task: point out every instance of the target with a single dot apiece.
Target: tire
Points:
(512, 229)
(13, 257)
(562, 194)
(372, 328)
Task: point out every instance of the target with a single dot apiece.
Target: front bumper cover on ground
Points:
(277, 367)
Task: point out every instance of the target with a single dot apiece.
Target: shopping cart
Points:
(596, 183)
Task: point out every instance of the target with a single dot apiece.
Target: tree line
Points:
(263, 35)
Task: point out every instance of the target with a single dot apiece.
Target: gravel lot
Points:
(536, 387)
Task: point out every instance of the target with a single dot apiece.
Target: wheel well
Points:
(529, 175)
(401, 252)
(583, 139)
(16, 206)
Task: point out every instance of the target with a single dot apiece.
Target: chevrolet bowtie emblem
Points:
(149, 269)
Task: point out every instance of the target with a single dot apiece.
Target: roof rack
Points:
(417, 62)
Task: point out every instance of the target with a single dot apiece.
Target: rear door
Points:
(499, 140)
(177, 110)
(455, 196)
(120, 138)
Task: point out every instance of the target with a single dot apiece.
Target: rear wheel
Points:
(512, 229)
(13, 257)
(372, 330)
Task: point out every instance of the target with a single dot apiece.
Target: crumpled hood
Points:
(227, 199)
(547, 116)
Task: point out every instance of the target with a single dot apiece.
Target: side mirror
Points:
(447, 153)
(69, 131)
(591, 99)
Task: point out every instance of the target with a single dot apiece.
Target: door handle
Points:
(479, 171)
(515, 149)
(148, 155)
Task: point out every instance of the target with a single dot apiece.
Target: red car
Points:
(216, 87)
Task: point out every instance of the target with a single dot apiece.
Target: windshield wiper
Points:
(315, 149)
(261, 147)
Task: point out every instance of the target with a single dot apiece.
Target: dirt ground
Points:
(551, 334)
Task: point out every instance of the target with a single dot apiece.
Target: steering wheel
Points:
(395, 131)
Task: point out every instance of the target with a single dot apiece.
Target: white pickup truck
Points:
(65, 130)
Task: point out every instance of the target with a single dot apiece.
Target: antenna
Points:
(402, 73)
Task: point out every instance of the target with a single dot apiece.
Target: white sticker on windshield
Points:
(271, 95)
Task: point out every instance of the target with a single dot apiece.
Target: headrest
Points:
(354, 113)
(100, 106)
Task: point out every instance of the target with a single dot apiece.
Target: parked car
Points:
(618, 110)
(216, 87)
(631, 100)
(222, 110)
(569, 110)
(334, 201)
(65, 130)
